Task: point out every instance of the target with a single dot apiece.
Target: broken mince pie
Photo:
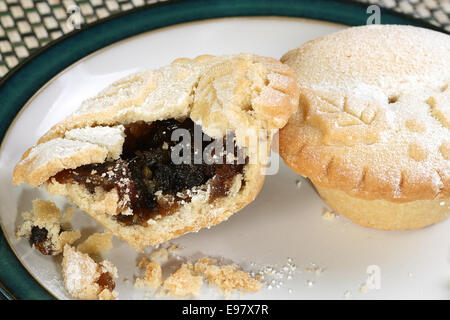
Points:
(164, 152)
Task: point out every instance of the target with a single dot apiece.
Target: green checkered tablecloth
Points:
(27, 25)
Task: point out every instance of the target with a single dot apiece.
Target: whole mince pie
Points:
(372, 131)
(164, 152)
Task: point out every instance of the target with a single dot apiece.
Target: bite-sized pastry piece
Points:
(161, 254)
(183, 282)
(372, 131)
(228, 278)
(96, 243)
(153, 274)
(164, 152)
(85, 279)
(46, 228)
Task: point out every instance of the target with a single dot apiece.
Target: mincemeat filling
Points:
(147, 167)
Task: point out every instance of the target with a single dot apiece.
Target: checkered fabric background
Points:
(27, 25)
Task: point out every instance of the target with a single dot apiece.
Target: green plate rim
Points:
(22, 82)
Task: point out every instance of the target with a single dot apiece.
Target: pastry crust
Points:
(241, 93)
(386, 215)
(374, 113)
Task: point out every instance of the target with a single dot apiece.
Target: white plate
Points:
(284, 221)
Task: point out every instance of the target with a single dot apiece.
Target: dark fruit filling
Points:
(106, 281)
(39, 240)
(147, 166)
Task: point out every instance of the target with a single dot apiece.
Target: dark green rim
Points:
(22, 82)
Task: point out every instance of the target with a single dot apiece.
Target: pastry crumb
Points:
(153, 276)
(143, 263)
(183, 282)
(96, 243)
(108, 295)
(67, 214)
(329, 215)
(85, 279)
(47, 230)
(161, 255)
(189, 278)
(228, 278)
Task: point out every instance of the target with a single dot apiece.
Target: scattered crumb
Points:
(67, 214)
(96, 243)
(227, 278)
(328, 215)
(153, 276)
(363, 288)
(161, 255)
(143, 263)
(68, 237)
(43, 226)
(85, 279)
(183, 282)
(189, 278)
(298, 183)
(107, 295)
(347, 294)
